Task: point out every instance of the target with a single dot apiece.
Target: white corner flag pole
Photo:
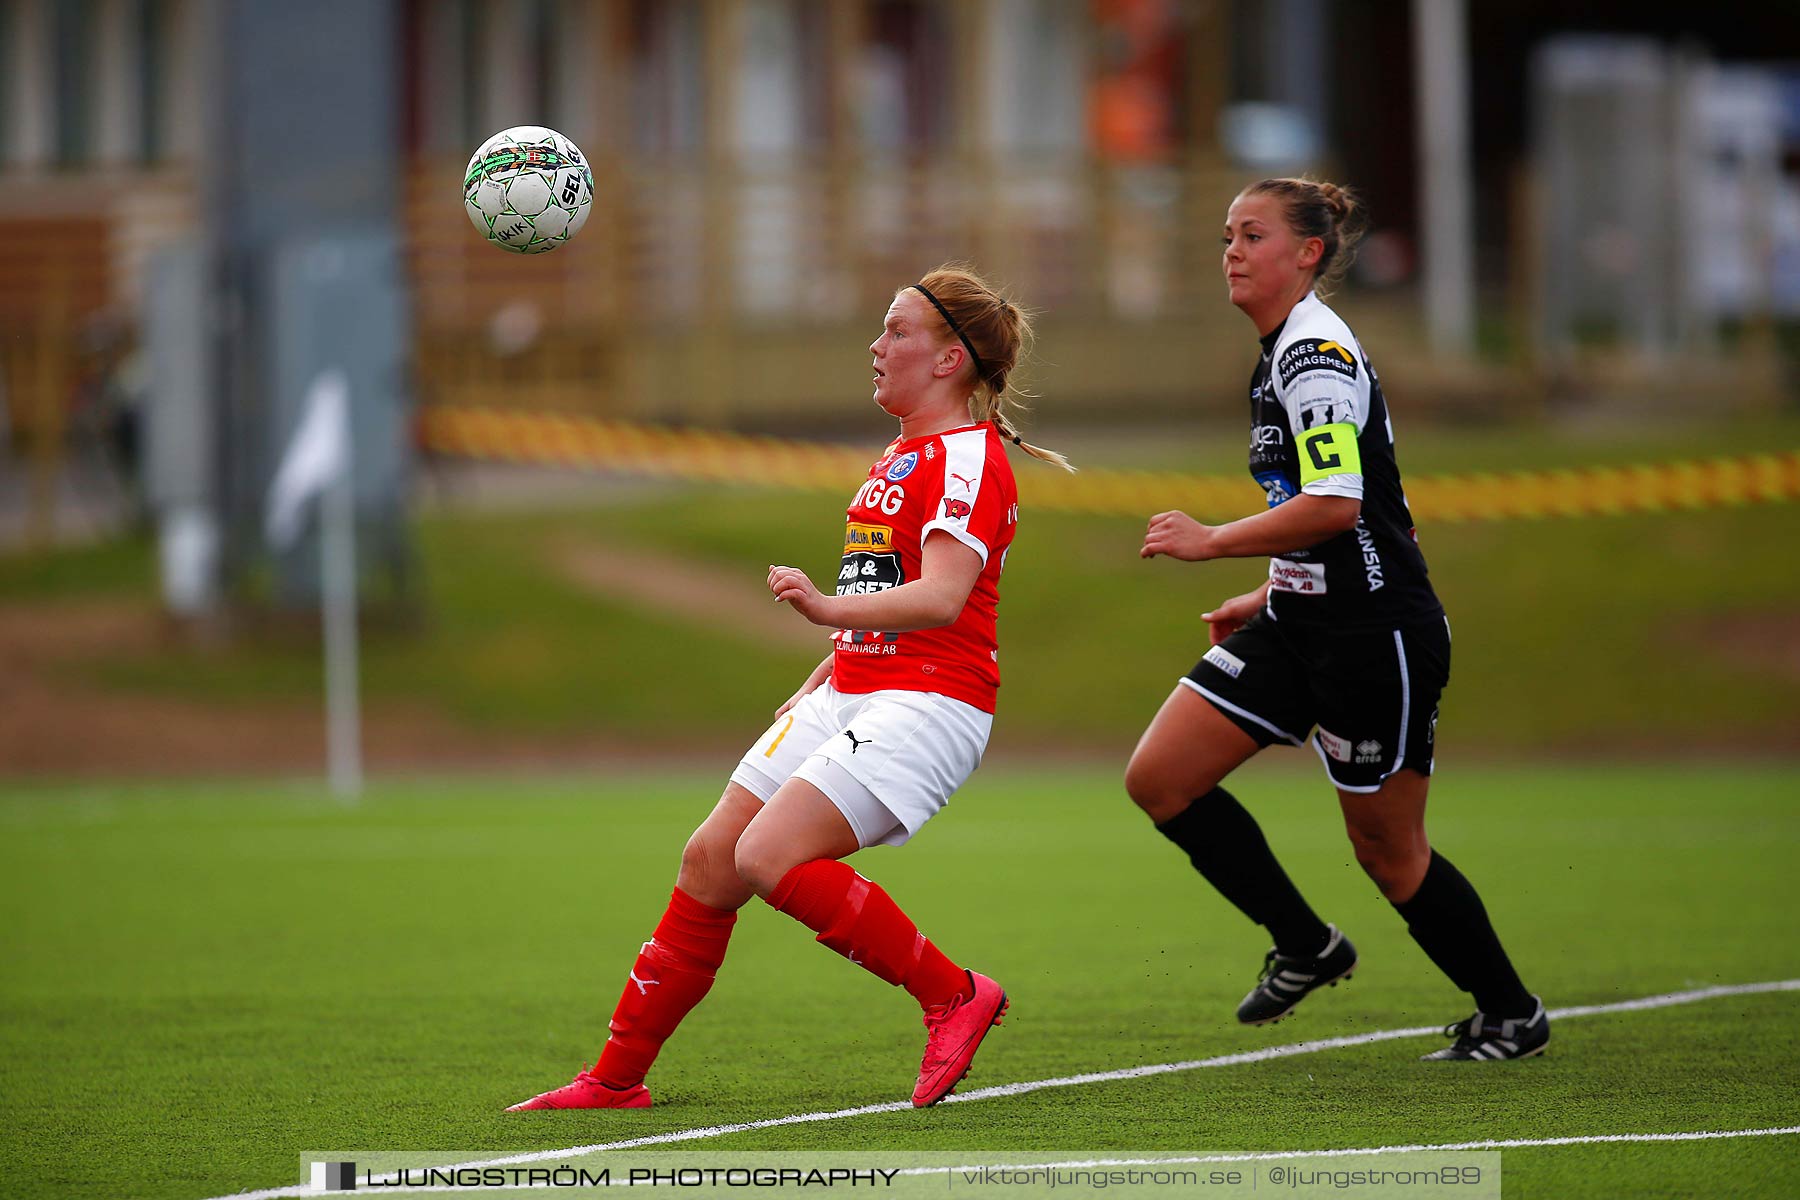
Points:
(318, 463)
(337, 574)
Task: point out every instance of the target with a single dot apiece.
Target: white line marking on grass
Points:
(1666, 1000)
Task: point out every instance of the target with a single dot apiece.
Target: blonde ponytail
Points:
(996, 413)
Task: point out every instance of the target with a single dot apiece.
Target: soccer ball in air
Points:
(528, 189)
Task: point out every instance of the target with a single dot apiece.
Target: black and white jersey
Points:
(1320, 425)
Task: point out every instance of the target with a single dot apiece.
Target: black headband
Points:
(980, 367)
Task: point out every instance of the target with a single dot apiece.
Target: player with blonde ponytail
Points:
(886, 728)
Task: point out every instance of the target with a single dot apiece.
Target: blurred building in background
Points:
(768, 171)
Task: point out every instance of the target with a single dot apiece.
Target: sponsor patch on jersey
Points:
(1371, 557)
(957, 510)
(877, 493)
(1312, 354)
(866, 641)
(862, 573)
(1306, 579)
(1278, 487)
(1335, 746)
(878, 538)
(903, 466)
(1225, 660)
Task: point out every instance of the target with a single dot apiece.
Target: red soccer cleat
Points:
(953, 1034)
(584, 1091)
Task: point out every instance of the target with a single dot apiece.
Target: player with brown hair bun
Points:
(1346, 635)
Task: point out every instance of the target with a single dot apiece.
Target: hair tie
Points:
(980, 367)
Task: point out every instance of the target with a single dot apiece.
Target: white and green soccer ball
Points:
(528, 189)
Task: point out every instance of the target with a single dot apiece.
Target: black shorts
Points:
(1372, 693)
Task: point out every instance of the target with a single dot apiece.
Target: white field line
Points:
(1666, 1000)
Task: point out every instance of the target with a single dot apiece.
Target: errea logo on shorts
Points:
(1368, 752)
(1225, 660)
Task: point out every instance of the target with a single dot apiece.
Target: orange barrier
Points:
(529, 437)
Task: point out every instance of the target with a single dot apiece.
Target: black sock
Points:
(1226, 845)
(1451, 925)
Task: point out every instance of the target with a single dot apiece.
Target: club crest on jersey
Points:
(902, 466)
(957, 509)
(1312, 354)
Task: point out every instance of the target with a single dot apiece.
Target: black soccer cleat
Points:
(1482, 1038)
(1287, 981)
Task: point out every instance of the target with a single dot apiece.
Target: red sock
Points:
(673, 972)
(860, 921)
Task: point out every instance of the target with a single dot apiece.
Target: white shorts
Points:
(888, 760)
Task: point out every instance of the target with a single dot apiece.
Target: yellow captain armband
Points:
(1329, 450)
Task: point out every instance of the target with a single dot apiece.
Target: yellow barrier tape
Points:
(485, 433)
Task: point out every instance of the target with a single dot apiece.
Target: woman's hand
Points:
(1230, 616)
(805, 689)
(820, 674)
(791, 586)
(1179, 536)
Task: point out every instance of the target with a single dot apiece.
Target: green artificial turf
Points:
(204, 981)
